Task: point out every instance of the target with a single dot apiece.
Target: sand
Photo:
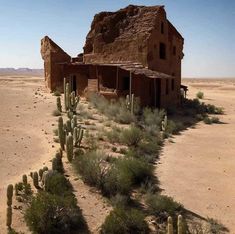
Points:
(26, 142)
(198, 167)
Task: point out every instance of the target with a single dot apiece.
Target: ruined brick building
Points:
(134, 50)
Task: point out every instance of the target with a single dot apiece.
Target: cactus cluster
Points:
(77, 136)
(130, 103)
(170, 229)
(9, 204)
(70, 99)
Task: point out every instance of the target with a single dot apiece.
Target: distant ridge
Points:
(21, 71)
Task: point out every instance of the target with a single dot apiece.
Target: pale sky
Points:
(208, 27)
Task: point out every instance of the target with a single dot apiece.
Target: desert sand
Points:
(26, 144)
(198, 167)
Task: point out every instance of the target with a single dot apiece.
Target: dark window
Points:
(167, 87)
(174, 50)
(162, 28)
(126, 83)
(172, 84)
(162, 51)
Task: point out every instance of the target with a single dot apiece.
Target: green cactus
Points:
(45, 168)
(31, 174)
(74, 122)
(130, 102)
(78, 135)
(58, 104)
(68, 126)
(57, 164)
(69, 147)
(24, 179)
(61, 132)
(169, 225)
(35, 180)
(180, 224)
(9, 194)
(16, 189)
(67, 98)
(65, 101)
(9, 217)
(70, 114)
(40, 173)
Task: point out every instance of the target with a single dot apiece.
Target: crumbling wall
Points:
(53, 57)
(120, 36)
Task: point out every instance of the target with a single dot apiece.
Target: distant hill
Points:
(21, 71)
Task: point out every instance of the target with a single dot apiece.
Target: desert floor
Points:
(198, 167)
(26, 139)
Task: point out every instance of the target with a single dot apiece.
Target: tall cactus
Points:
(58, 104)
(180, 224)
(169, 226)
(40, 173)
(130, 102)
(61, 132)
(9, 194)
(78, 135)
(68, 126)
(74, 122)
(74, 100)
(65, 96)
(35, 180)
(9, 217)
(69, 147)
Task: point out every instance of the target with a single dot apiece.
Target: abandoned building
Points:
(134, 50)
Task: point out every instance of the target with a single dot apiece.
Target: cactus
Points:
(35, 180)
(74, 122)
(77, 136)
(58, 104)
(57, 164)
(67, 94)
(65, 101)
(16, 189)
(74, 100)
(24, 179)
(130, 103)
(70, 115)
(61, 132)
(68, 126)
(180, 224)
(45, 169)
(169, 225)
(69, 147)
(31, 174)
(40, 173)
(9, 194)
(9, 217)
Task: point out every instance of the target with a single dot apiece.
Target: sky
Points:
(208, 28)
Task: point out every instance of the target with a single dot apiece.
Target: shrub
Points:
(49, 213)
(125, 221)
(160, 205)
(114, 134)
(215, 120)
(124, 117)
(207, 120)
(57, 184)
(200, 95)
(56, 113)
(131, 136)
(57, 93)
(89, 166)
(124, 174)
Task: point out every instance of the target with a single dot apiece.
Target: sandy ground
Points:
(198, 167)
(26, 144)
(25, 134)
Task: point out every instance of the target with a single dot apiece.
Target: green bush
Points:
(89, 166)
(200, 95)
(124, 174)
(131, 136)
(125, 221)
(114, 134)
(49, 213)
(57, 184)
(160, 205)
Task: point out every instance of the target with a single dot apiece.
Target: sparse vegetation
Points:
(200, 95)
(125, 221)
(56, 113)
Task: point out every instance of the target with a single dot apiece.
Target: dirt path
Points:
(25, 134)
(198, 169)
